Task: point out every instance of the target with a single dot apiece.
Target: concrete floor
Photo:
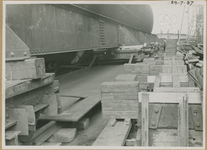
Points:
(87, 82)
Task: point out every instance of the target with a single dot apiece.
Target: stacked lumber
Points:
(153, 61)
(32, 68)
(126, 77)
(157, 69)
(141, 70)
(120, 99)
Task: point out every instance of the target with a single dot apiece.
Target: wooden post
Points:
(183, 132)
(131, 58)
(145, 119)
(176, 81)
(157, 82)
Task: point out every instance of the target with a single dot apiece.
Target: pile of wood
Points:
(120, 99)
(126, 77)
(141, 70)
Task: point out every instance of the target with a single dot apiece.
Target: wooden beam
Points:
(183, 133)
(157, 82)
(28, 69)
(113, 135)
(131, 58)
(181, 89)
(145, 119)
(176, 81)
(170, 97)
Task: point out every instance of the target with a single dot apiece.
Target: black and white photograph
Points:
(103, 74)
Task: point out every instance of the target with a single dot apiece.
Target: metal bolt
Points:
(7, 120)
(25, 53)
(12, 54)
(197, 124)
(153, 123)
(156, 110)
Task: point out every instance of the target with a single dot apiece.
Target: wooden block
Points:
(65, 135)
(119, 105)
(138, 138)
(113, 135)
(51, 99)
(19, 114)
(180, 89)
(145, 119)
(137, 68)
(126, 77)
(142, 78)
(12, 137)
(171, 97)
(119, 96)
(112, 122)
(168, 78)
(176, 81)
(159, 62)
(120, 114)
(130, 142)
(157, 82)
(178, 62)
(27, 69)
(132, 86)
(81, 124)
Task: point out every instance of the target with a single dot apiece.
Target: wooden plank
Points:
(157, 82)
(145, 119)
(75, 112)
(131, 58)
(12, 137)
(126, 77)
(119, 96)
(81, 124)
(177, 62)
(120, 86)
(117, 105)
(113, 135)
(17, 87)
(168, 78)
(181, 89)
(176, 81)
(183, 128)
(20, 115)
(170, 97)
(65, 135)
(27, 69)
(51, 99)
(120, 114)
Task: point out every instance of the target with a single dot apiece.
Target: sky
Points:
(169, 16)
